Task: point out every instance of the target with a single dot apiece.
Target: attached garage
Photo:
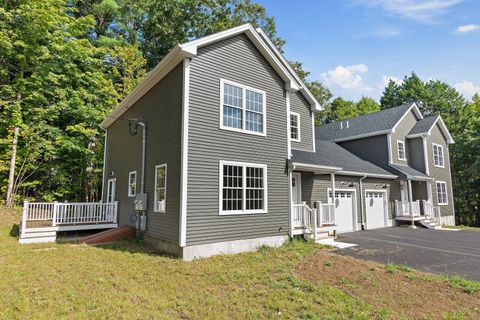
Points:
(345, 210)
(376, 209)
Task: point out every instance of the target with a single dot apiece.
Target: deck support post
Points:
(55, 212)
(24, 218)
(332, 177)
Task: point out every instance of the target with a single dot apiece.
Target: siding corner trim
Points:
(184, 154)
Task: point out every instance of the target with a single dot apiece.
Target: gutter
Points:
(105, 130)
(362, 211)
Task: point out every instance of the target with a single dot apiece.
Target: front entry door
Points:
(296, 187)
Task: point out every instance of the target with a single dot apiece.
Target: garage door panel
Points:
(344, 210)
(375, 203)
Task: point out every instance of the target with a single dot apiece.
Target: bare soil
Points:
(408, 294)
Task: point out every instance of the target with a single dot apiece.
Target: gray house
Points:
(216, 151)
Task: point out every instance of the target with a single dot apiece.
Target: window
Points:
(160, 188)
(243, 188)
(442, 193)
(132, 183)
(438, 159)
(243, 108)
(294, 126)
(401, 150)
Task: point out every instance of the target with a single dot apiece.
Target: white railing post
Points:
(396, 208)
(55, 212)
(320, 213)
(304, 215)
(115, 211)
(24, 218)
(314, 222)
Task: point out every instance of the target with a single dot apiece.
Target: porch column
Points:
(429, 192)
(332, 177)
(410, 197)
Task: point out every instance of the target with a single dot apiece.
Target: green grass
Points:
(462, 227)
(467, 286)
(125, 280)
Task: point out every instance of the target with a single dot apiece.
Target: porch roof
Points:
(331, 155)
(409, 172)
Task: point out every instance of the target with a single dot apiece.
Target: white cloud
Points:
(468, 28)
(386, 80)
(347, 78)
(425, 11)
(467, 88)
(387, 32)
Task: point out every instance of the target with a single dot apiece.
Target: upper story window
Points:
(438, 158)
(243, 109)
(243, 188)
(160, 194)
(132, 183)
(442, 198)
(401, 150)
(294, 126)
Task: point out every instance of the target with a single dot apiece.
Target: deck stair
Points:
(37, 236)
(429, 223)
(111, 235)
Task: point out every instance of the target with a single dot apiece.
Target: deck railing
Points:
(302, 217)
(306, 217)
(71, 213)
(432, 212)
(402, 208)
(326, 214)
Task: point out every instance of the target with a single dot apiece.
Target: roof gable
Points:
(425, 126)
(189, 50)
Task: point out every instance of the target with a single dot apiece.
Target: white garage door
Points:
(344, 214)
(375, 204)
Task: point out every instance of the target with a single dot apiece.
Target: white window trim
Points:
(446, 192)
(404, 150)
(220, 188)
(298, 126)
(443, 155)
(114, 180)
(244, 110)
(135, 185)
(155, 189)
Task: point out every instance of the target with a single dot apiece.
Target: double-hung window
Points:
(438, 158)
(442, 198)
(132, 183)
(294, 126)
(401, 150)
(243, 188)
(243, 108)
(160, 195)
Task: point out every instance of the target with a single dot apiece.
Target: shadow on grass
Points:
(15, 230)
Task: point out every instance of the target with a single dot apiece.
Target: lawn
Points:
(126, 280)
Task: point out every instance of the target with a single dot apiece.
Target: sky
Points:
(355, 46)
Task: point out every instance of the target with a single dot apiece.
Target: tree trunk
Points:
(11, 176)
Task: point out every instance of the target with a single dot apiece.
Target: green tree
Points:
(367, 105)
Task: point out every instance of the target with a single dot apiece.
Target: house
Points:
(216, 151)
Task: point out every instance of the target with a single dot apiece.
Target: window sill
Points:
(261, 134)
(294, 140)
(443, 204)
(438, 166)
(241, 213)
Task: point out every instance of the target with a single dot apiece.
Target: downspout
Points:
(144, 142)
(291, 168)
(362, 211)
(104, 161)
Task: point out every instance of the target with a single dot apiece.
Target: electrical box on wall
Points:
(141, 202)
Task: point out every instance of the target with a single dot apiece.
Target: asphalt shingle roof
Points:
(368, 123)
(331, 154)
(407, 170)
(422, 126)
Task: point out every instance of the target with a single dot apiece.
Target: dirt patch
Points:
(10, 215)
(409, 294)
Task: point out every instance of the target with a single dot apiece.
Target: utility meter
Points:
(141, 202)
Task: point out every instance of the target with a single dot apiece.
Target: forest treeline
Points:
(64, 65)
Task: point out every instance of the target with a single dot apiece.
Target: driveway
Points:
(435, 251)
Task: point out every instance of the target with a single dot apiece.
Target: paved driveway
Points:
(436, 251)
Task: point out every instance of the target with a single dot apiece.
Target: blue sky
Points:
(354, 46)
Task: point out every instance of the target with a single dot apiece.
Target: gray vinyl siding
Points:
(314, 188)
(442, 174)
(401, 131)
(416, 157)
(300, 105)
(235, 59)
(161, 110)
(373, 149)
